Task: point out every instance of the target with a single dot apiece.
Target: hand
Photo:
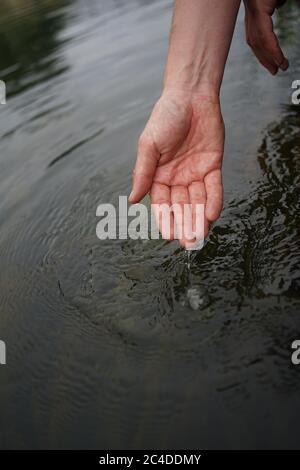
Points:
(260, 35)
(180, 156)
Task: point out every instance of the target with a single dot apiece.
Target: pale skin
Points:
(180, 151)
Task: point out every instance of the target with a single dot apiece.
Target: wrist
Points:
(189, 92)
(197, 80)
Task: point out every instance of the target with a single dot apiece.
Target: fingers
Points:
(146, 163)
(197, 195)
(180, 207)
(285, 64)
(264, 42)
(182, 214)
(214, 192)
(266, 61)
(161, 206)
(275, 51)
(268, 44)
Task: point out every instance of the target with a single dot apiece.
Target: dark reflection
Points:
(246, 278)
(261, 240)
(253, 232)
(29, 41)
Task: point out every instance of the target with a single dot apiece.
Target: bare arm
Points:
(199, 43)
(181, 148)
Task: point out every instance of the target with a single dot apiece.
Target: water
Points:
(125, 344)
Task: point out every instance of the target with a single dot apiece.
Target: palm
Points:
(187, 136)
(190, 142)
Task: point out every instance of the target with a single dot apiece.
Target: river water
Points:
(128, 344)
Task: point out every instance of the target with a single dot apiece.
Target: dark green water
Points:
(118, 344)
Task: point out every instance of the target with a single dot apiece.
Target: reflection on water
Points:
(138, 344)
(28, 41)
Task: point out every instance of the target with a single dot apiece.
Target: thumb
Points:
(146, 163)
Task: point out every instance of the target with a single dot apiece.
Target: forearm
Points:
(200, 39)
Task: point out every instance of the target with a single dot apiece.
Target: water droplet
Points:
(194, 298)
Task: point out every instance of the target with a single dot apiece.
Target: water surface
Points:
(120, 344)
